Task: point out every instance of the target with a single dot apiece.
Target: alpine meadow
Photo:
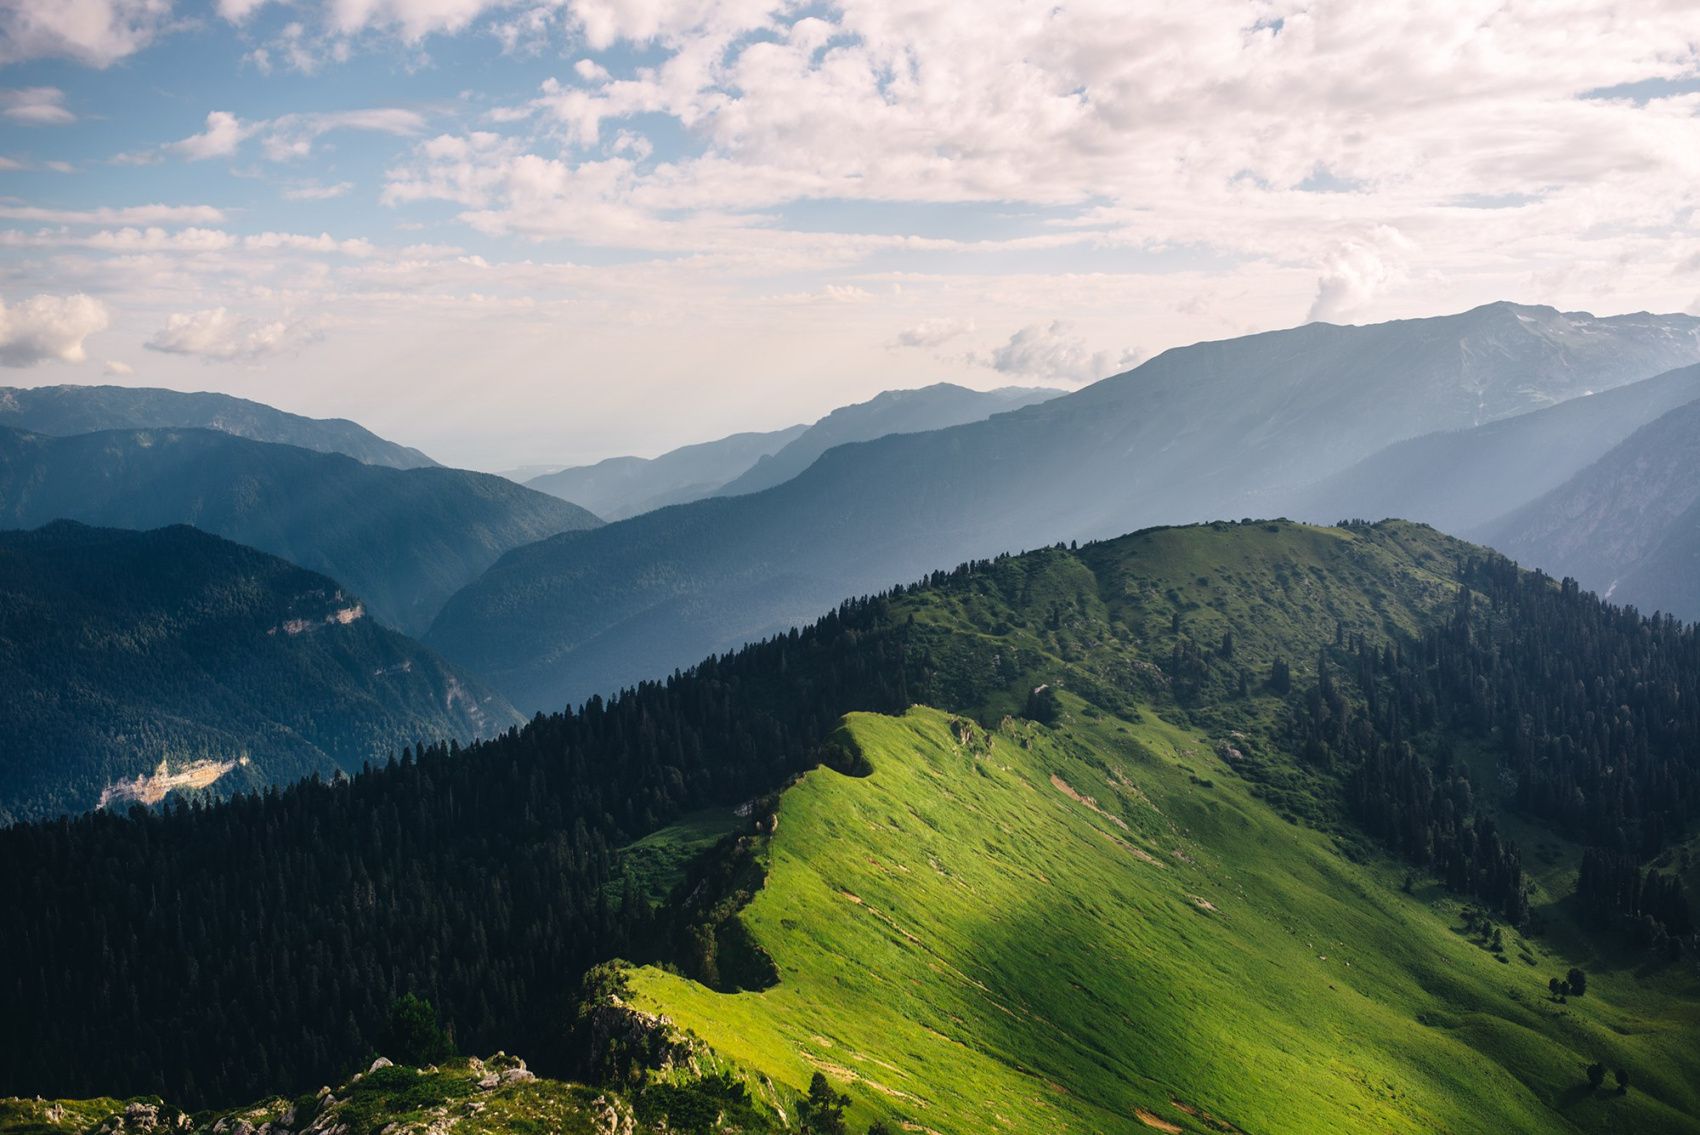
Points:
(586, 567)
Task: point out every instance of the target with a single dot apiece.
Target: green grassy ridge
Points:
(1010, 962)
(1099, 619)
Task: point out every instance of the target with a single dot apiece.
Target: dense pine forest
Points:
(1594, 712)
(212, 953)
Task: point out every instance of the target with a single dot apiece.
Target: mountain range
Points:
(1462, 480)
(933, 407)
(65, 410)
(1239, 427)
(1628, 525)
(138, 664)
(619, 487)
(622, 487)
(401, 539)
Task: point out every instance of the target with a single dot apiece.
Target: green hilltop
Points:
(1097, 925)
(1249, 827)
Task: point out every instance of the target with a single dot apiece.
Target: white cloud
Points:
(10, 163)
(116, 369)
(298, 242)
(95, 32)
(1358, 273)
(44, 328)
(526, 33)
(410, 19)
(291, 136)
(36, 106)
(316, 192)
(238, 11)
(128, 215)
(1087, 102)
(933, 332)
(217, 333)
(1054, 352)
(223, 134)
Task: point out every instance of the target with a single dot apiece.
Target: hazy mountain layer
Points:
(622, 487)
(401, 539)
(137, 664)
(626, 486)
(893, 412)
(1460, 480)
(65, 410)
(1628, 525)
(1217, 429)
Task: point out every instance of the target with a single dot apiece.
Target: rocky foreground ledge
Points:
(463, 1096)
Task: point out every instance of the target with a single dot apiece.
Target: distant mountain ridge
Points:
(402, 539)
(139, 663)
(1628, 525)
(891, 412)
(622, 487)
(1461, 480)
(1223, 429)
(626, 486)
(64, 410)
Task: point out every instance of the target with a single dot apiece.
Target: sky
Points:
(529, 232)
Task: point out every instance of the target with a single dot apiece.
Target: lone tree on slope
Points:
(822, 1113)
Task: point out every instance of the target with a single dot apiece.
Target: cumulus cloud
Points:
(1357, 273)
(95, 32)
(44, 328)
(933, 332)
(223, 134)
(117, 369)
(1098, 115)
(290, 136)
(220, 334)
(35, 106)
(1054, 352)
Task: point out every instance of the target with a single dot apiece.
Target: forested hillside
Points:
(402, 539)
(1395, 694)
(138, 664)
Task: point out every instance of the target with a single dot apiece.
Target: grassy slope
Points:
(1010, 956)
(1007, 963)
